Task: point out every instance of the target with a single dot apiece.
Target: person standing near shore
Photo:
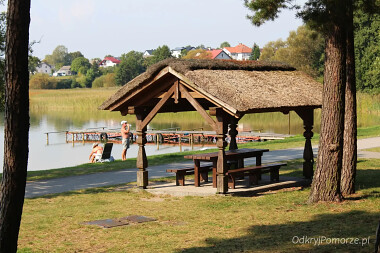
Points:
(125, 127)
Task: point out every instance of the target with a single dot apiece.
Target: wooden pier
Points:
(168, 136)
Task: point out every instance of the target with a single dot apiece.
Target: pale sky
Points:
(97, 27)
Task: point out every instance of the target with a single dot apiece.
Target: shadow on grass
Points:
(292, 237)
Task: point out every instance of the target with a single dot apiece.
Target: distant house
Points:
(176, 52)
(240, 52)
(64, 71)
(219, 54)
(44, 68)
(148, 53)
(109, 62)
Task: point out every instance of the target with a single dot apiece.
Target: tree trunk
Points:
(326, 182)
(350, 121)
(16, 126)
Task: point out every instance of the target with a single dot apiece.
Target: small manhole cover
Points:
(110, 223)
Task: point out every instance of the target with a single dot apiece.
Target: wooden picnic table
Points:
(231, 155)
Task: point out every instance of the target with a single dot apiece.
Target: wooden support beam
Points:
(155, 110)
(197, 106)
(307, 115)
(176, 92)
(221, 169)
(142, 161)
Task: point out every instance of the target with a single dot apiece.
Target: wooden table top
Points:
(230, 154)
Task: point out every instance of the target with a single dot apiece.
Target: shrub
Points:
(98, 82)
(42, 81)
(109, 80)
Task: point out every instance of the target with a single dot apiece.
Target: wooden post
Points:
(233, 133)
(142, 161)
(233, 144)
(158, 142)
(221, 131)
(307, 116)
(192, 141)
(179, 142)
(47, 138)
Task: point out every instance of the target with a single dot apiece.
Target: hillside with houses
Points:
(74, 70)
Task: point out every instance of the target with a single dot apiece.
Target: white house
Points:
(176, 52)
(241, 52)
(44, 68)
(64, 71)
(109, 62)
(148, 53)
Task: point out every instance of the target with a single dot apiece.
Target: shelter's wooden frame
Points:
(168, 91)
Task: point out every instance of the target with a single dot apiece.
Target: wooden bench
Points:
(181, 173)
(254, 173)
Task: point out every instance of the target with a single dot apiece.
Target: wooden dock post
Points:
(179, 142)
(47, 138)
(192, 141)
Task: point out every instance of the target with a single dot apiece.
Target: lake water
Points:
(58, 153)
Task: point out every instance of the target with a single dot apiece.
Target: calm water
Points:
(58, 153)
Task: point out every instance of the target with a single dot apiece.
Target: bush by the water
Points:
(107, 80)
(44, 81)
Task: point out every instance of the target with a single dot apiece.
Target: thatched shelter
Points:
(227, 89)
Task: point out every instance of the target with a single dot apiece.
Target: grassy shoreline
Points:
(83, 169)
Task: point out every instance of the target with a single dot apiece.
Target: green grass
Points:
(374, 149)
(264, 223)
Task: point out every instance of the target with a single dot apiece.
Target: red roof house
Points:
(240, 52)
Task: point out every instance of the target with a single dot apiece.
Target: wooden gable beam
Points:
(186, 81)
(197, 106)
(155, 110)
(122, 100)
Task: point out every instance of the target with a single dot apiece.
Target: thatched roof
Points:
(245, 86)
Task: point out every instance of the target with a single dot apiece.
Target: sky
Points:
(97, 28)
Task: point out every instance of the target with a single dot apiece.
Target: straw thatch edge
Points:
(183, 66)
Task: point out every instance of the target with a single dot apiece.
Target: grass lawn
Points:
(374, 149)
(269, 222)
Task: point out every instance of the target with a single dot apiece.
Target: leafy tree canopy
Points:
(80, 65)
(198, 54)
(131, 65)
(225, 44)
(73, 55)
(303, 49)
(161, 53)
(255, 55)
(59, 57)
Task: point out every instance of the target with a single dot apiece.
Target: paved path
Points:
(43, 187)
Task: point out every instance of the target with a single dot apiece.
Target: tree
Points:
(2, 62)
(304, 50)
(198, 54)
(131, 65)
(59, 57)
(16, 123)
(270, 49)
(350, 120)
(80, 65)
(367, 47)
(161, 53)
(255, 55)
(329, 17)
(225, 44)
(34, 61)
(72, 56)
